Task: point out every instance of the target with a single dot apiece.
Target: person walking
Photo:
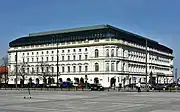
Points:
(139, 86)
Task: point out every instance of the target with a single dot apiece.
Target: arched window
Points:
(96, 67)
(96, 53)
(112, 53)
(107, 66)
(107, 52)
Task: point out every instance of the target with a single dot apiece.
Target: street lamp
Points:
(57, 65)
(146, 65)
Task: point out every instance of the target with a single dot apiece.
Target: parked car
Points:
(96, 87)
(158, 87)
(66, 85)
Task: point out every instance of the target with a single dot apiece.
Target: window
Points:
(47, 52)
(52, 69)
(85, 49)
(107, 52)
(79, 50)
(37, 69)
(68, 57)
(23, 60)
(62, 51)
(79, 68)
(86, 68)
(79, 57)
(96, 67)
(62, 58)
(68, 50)
(63, 69)
(112, 66)
(27, 59)
(96, 53)
(23, 54)
(112, 53)
(47, 58)
(32, 59)
(52, 52)
(27, 70)
(42, 58)
(117, 52)
(27, 53)
(52, 58)
(68, 68)
(37, 59)
(37, 53)
(74, 68)
(74, 50)
(47, 69)
(107, 66)
(32, 70)
(42, 69)
(74, 57)
(85, 57)
(42, 52)
(32, 53)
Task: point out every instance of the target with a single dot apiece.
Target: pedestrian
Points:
(139, 86)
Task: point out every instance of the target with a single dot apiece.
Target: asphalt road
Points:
(85, 101)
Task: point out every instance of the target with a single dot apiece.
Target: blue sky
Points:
(156, 19)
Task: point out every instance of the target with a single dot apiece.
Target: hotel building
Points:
(97, 54)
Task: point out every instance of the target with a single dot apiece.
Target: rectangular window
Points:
(107, 67)
(62, 58)
(68, 68)
(68, 57)
(52, 58)
(27, 70)
(85, 49)
(42, 59)
(37, 69)
(52, 52)
(86, 68)
(47, 58)
(52, 69)
(85, 57)
(32, 59)
(63, 69)
(112, 66)
(79, 57)
(47, 69)
(27, 59)
(37, 59)
(74, 50)
(74, 68)
(42, 69)
(32, 70)
(47, 52)
(74, 57)
(79, 68)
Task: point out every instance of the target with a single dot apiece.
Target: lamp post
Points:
(16, 68)
(146, 65)
(57, 65)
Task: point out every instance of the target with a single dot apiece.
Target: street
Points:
(87, 101)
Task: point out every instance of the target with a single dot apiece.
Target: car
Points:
(96, 87)
(158, 87)
(66, 85)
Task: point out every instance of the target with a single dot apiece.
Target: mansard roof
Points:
(86, 33)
